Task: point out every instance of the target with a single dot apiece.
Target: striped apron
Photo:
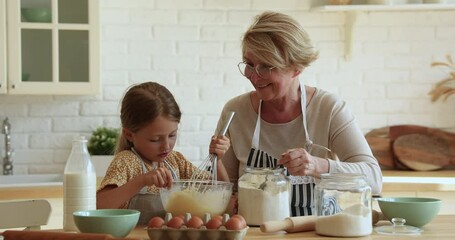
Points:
(302, 187)
(149, 204)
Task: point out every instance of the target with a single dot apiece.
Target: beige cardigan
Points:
(330, 124)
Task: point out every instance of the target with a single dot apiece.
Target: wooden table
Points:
(442, 227)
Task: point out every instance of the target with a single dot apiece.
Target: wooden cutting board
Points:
(382, 150)
(412, 152)
(55, 235)
(423, 152)
(381, 146)
(400, 130)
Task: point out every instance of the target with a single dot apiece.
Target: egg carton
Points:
(186, 233)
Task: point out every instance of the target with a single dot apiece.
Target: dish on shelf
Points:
(387, 2)
(340, 2)
(38, 14)
(434, 1)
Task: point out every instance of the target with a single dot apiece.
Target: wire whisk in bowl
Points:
(207, 170)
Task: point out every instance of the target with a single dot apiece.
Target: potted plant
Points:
(103, 141)
(445, 87)
(101, 147)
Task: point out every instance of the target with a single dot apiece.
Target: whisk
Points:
(210, 162)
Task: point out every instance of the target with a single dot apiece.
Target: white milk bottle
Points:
(79, 183)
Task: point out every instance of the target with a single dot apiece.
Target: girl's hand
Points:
(160, 177)
(299, 162)
(219, 145)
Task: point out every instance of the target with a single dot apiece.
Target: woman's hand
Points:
(160, 177)
(219, 145)
(300, 163)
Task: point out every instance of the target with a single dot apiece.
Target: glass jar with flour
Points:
(263, 195)
(343, 205)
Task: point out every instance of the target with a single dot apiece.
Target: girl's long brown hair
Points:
(141, 104)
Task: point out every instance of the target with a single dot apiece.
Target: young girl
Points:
(144, 157)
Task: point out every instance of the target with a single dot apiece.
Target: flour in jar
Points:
(354, 221)
(260, 205)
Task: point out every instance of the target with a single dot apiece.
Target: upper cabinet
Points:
(2, 46)
(52, 47)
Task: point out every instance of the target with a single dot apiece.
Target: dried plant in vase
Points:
(445, 87)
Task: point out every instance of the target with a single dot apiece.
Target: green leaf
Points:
(103, 141)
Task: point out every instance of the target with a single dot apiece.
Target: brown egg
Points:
(195, 222)
(234, 224)
(155, 222)
(213, 223)
(241, 218)
(175, 222)
(219, 217)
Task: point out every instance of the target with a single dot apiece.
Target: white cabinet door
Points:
(2, 46)
(53, 47)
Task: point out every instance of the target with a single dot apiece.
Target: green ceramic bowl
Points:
(38, 14)
(117, 222)
(417, 211)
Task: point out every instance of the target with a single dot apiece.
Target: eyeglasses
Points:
(248, 70)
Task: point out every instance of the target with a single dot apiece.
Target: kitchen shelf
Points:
(374, 7)
(353, 10)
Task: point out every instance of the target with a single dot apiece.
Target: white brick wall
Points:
(193, 47)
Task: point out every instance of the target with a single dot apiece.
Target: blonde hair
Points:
(280, 41)
(142, 104)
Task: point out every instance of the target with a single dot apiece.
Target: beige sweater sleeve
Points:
(330, 124)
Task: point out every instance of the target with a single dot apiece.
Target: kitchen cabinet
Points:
(353, 10)
(2, 46)
(51, 47)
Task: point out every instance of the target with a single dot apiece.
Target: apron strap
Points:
(257, 129)
(154, 166)
(308, 143)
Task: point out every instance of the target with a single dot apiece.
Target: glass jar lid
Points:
(398, 227)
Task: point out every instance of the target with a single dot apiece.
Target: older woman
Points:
(306, 129)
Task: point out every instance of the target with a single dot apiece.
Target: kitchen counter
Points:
(441, 227)
(443, 180)
(437, 184)
(416, 174)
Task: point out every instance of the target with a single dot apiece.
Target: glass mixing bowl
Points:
(196, 197)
